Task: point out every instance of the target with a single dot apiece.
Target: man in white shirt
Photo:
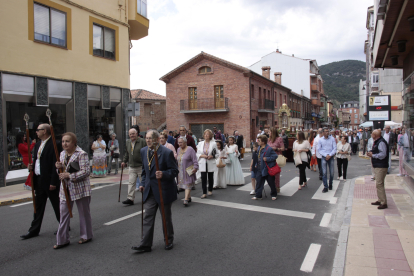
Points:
(318, 156)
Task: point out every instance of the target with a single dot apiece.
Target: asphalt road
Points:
(220, 238)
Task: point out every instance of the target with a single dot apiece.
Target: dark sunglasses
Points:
(40, 129)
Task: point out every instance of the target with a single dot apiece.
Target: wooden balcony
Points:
(206, 105)
(316, 102)
(266, 106)
(315, 88)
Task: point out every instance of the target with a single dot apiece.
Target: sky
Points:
(242, 31)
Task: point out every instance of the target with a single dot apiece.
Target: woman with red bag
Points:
(276, 143)
(266, 161)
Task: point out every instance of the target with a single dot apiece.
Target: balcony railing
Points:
(266, 106)
(204, 105)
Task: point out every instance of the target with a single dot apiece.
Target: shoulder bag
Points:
(272, 170)
(281, 161)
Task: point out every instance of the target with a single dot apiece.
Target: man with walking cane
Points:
(132, 157)
(159, 170)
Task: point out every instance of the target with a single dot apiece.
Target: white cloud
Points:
(242, 31)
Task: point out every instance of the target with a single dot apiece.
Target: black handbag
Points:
(73, 167)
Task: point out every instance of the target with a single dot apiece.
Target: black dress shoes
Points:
(169, 246)
(330, 187)
(376, 203)
(141, 249)
(383, 206)
(29, 235)
(325, 190)
(128, 202)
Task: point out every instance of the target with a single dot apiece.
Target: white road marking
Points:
(290, 188)
(325, 220)
(310, 258)
(123, 218)
(274, 211)
(246, 174)
(247, 187)
(17, 205)
(329, 195)
(333, 200)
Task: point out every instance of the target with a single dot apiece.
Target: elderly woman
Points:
(75, 162)
(187, 164)
(343, 151)
(113, 146)
(404, 151)
(163, 140)
(99, 157)
(206, 154)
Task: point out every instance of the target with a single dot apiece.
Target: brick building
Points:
(352, 107)
(207, 91)
(152, 110)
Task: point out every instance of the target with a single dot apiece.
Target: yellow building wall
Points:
(21, 55)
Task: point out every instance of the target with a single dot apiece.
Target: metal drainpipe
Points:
(393, 32)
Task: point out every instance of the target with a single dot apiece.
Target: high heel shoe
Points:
(300, 187)
(204, 196)
(305, 185)
(185, 203)
(189, 200)
(210, 193)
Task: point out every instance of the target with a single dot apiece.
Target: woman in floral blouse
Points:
(79, 189)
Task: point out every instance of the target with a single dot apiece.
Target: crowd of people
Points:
(183, 159)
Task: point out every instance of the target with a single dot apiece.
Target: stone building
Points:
(71, 57)
(351, 107)
(207, 91)
(152, 110)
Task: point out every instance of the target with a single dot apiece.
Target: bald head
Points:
(376, 134)
(43, 131)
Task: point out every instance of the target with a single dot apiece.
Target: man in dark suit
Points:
(45, 178)
(239, 143)
(190, 140)
(168, 171)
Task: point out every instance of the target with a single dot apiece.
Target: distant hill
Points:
(341, 80)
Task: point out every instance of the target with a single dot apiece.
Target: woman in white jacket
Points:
(206, 154)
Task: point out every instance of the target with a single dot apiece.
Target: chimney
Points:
(278, 77)
(266, 72)
(277, 50)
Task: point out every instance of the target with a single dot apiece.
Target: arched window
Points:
(204, 70)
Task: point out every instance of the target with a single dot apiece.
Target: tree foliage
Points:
(341, 80)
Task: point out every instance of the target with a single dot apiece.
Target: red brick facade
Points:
(250, 98)
(152, 109)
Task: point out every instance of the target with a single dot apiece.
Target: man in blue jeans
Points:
(327, 150)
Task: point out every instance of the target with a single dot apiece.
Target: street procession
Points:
(235, 150)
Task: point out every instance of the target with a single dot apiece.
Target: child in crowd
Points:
(253, 167)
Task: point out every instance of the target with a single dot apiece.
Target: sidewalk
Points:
(381, 242)
(16, 194)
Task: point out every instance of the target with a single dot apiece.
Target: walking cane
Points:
(142, 215)
(61, 170)
(26, 118)
(120, 183)
(154, 147)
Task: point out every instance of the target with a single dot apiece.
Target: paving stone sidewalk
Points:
(16, 194)
(381, 242)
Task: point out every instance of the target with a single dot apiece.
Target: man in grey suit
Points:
(168, 171)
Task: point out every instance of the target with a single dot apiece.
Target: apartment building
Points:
(350, 111)
(69, 56)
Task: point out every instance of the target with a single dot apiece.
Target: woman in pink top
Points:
(276, 143)
(163, 140)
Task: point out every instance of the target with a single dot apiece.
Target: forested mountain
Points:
(341, 80)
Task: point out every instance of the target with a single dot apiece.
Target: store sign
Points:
(379, 108)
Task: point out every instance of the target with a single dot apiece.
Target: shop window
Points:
(103, 122)
(16, 127)
(204, 70)
(49, 25)
(103, 41)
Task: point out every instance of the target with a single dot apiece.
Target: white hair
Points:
(183, 138)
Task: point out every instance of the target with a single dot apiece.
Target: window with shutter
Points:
(49, 25)
(103, 41)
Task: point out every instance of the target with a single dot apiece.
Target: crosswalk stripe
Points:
(123, 218)
(330, 195)
(254, 208)
(325, 220)
(310, 258)
(290, 188)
